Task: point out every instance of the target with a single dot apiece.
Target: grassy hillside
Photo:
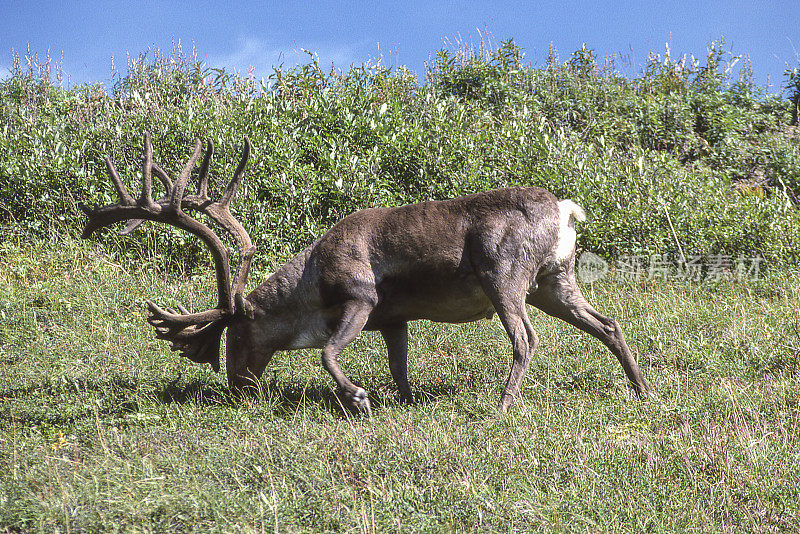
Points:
(103, 429)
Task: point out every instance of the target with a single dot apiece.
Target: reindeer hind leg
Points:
(560, 297)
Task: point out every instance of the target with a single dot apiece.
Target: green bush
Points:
(679, 158)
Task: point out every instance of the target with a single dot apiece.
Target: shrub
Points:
(656, 160)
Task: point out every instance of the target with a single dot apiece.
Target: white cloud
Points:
(262, 56)
(249, 52)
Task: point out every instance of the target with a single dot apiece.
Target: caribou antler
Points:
(196, 335)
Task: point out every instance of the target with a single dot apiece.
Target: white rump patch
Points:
(568, 213)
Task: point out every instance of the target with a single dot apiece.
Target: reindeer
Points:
(450, 261)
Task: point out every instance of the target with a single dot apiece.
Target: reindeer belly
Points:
(458, 300)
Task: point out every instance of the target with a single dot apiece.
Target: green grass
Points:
(103, 429)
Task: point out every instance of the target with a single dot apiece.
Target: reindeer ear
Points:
(243, 307)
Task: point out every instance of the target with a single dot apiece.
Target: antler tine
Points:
(146, 200)
(125, 198)
(202, 188)
(221, 213)
(163, 177)
(180, 183)
(183, 318)
(230, 190)
(197, 340)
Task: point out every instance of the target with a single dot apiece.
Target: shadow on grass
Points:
(288, 398)
(63, 403)
(47, 386)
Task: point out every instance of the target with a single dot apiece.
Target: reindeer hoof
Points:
(506, 401)
(360, 401)
(407, 399)
(647, 394)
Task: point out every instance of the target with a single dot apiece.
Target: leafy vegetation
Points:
(682, 143)
(102, 429)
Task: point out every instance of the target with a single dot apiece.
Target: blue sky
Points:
(253, 34)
